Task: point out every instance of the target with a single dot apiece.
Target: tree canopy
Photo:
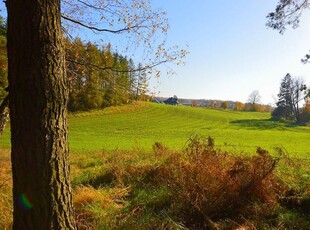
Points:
(95, 84)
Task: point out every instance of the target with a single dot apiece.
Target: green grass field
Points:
(140, 125)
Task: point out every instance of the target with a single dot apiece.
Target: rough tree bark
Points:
(38, 98)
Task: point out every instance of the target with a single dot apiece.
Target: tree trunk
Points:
(38, 98)
(4, 113)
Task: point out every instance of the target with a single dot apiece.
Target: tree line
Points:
(255, 106)
(97, 76)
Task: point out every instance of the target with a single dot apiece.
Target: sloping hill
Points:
(140, 125)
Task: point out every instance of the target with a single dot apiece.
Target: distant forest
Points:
(210, 103)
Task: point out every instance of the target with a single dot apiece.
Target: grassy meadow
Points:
(140, 125)
(152, 166)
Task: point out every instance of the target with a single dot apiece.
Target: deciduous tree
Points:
(224, 105)
(305, 114)
(254, 99)
(239, 106)
(38, 97)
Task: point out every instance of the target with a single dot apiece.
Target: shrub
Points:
(305, 117)
(210, 185)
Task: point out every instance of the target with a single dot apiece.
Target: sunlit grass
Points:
(171, 125)
(142, 124)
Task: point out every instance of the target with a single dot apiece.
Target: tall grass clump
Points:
(201, 187)
(96, 207)
(124, 192)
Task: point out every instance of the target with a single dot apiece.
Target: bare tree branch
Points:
(117, 70)
(287, 13)
(102, 29)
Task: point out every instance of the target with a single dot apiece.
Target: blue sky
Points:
(232, 53)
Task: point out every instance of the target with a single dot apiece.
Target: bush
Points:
(211, 185)
(282, 114)
(305, 117)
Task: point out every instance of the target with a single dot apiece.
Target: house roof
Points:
(171, 101)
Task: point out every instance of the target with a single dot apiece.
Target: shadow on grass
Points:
(262, 124)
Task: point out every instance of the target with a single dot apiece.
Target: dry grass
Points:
(94, 206)
(6, 207)
(212, 185)
(199, 188)
(204, 188)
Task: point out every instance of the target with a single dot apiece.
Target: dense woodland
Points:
(99, 77)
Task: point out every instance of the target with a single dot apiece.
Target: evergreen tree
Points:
(121, 80)
(284, 105)
(92, 92)
(292, 92)
(132, 79)
(142, 82)
(98, 77)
